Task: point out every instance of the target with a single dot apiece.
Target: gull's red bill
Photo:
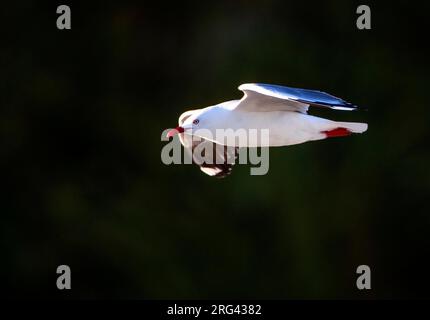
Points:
(174, 132)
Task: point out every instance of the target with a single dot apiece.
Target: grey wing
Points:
(268, 97)
(213, 159)
(224, 158)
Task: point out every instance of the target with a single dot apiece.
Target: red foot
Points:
(338, 132)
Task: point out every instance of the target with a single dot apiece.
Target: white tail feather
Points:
(355, 127)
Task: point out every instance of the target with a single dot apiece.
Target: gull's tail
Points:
(345, 129)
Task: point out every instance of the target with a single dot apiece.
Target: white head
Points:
(208, 119)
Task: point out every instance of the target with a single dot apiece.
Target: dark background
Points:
(82, 113)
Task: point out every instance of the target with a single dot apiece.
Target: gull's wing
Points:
(267, 97)
(222, 158)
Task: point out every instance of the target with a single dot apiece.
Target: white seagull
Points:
(281, 110)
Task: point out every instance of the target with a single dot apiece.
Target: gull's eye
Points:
(196, 121)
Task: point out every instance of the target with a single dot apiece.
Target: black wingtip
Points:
(357, 108)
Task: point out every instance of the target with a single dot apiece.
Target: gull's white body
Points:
(279, 111)
(284, 127)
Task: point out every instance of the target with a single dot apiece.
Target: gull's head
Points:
(191, 123)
